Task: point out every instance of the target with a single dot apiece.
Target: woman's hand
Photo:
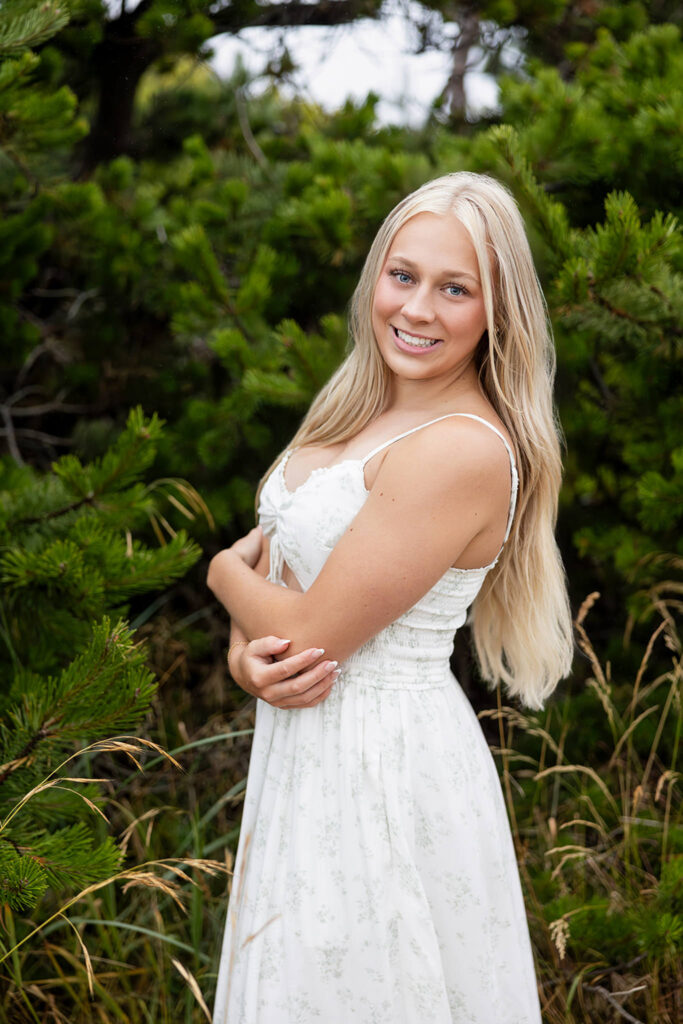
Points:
(301, 681)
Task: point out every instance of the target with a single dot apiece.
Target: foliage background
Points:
(185, 247)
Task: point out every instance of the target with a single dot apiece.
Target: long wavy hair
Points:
(520, 620)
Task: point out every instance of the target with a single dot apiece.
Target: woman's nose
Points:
(419, 306)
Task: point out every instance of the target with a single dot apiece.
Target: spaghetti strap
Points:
(514, 478)
(398, 437)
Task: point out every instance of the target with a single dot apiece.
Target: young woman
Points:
(375, 880)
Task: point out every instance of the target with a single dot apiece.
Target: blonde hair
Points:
(521, 621)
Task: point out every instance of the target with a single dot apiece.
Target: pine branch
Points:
(68, 856)
(615, 311)
(25, 24)
(20, 759)
(56, 513)
(550, 215)
(233, 17)
(106, 687)
(22, 879)
(126, 461)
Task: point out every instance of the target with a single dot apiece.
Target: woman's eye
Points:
(402, 276)
(456, 289)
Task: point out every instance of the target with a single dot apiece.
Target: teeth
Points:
(416, 342)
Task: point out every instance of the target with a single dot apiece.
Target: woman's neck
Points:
(434, 395)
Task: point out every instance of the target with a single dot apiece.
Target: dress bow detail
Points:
(268, 518)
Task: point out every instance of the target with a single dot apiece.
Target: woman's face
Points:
(428, 310)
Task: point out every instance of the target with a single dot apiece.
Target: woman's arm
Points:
(237, 635)
(299, 681)
(433, 495)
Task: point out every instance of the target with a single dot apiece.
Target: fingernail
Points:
(283, 642)
(320, 650)
(333, 664)
(337, 673)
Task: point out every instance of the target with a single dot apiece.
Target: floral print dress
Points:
(375, 880)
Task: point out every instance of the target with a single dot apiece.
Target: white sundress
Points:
(375, 880)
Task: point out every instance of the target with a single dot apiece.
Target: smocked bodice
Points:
(303, 527)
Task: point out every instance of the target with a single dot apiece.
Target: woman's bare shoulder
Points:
(452, 452)
(461, 447)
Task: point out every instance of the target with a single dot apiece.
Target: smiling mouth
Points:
(415, 341)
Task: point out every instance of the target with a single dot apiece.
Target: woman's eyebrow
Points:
(446, 273)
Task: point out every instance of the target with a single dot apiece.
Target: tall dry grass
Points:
(129, 947)
(593, 792)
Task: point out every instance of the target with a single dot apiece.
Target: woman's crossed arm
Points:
(441, 492)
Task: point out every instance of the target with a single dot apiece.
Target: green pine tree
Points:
(73, 672)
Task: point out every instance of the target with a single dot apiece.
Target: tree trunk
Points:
(121, 59)
(454, 92)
